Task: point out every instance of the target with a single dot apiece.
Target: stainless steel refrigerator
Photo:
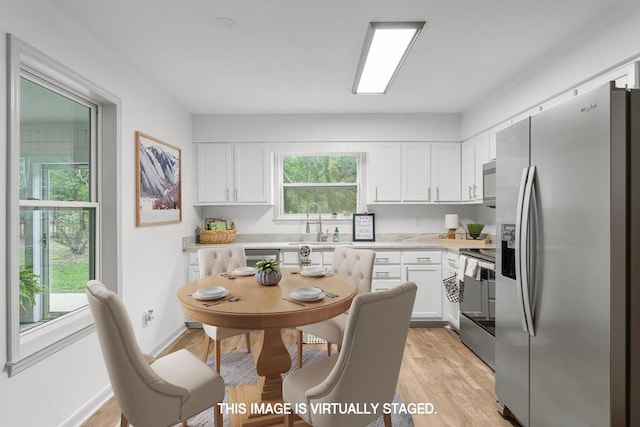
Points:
(567, 262)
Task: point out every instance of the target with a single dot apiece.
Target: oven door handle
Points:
(524, 249)
(518, 248)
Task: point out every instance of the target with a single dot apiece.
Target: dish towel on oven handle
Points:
(472, 270)
(462, 266)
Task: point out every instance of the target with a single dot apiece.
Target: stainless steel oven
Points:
(478, 309)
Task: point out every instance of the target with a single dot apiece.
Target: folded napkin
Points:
(462, 265)
(472, 269)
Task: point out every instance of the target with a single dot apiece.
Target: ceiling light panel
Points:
(385, 48)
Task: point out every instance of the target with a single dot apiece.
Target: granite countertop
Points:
(387, 241)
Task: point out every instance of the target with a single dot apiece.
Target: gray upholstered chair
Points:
(215, 261)
(170, 390)
(367, 368)
(356, 264)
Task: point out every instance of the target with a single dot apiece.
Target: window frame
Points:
(35, 344)
(279, 194)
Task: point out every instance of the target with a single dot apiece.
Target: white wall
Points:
(326, 127)
(614, 38)
(51, 392)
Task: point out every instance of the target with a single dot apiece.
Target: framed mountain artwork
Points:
(158, 181)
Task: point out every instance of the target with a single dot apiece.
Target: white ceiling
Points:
(300, 56)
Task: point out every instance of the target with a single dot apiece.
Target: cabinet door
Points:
(213, 173)
(446, 172)
(468, 169)
(416, 172)
(252, 173)
(492, 145)
(386, 173)
(482, 157)
(428, 304)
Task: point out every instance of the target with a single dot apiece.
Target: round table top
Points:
(262, 307)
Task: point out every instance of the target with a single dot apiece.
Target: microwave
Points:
(489, 184)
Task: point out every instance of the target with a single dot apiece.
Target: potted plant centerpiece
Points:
(268, 272)
(475, 230)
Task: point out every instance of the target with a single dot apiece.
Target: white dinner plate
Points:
(308, 292)
(244, 271)
(313, 272)
(209, 297)
(299, 297)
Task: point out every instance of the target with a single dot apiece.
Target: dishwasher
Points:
(255, 255)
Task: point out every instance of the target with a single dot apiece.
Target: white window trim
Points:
(31, 346)
(279, 193)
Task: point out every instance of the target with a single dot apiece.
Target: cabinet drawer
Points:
(386, 272)
(193, 258)
(387, 257)
(422, 257)
(378, 285)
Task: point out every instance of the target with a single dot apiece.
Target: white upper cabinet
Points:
(232, 173)
(482, 156)
(385, 173)
(400, 172)
(468, 169)
(416, 172)
(214, 177)
(475, 153)
(252, 173)
(445, 172)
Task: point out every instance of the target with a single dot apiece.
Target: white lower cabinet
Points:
(424, 268)
(387, 272)
(451, 309)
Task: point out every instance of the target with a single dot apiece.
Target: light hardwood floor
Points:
(436, 368)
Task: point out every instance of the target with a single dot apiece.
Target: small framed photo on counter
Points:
(364, 227)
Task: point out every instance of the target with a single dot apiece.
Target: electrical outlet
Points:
(146, 318)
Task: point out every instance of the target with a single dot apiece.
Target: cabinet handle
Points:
(429, 194)
(423, 259)
(438, 194)
(474, 191)
(382, 274)
(376, 193)
(382, 259)
(470, 196)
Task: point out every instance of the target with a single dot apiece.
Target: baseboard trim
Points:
(88, 409)
(427, 324)
(95, 403)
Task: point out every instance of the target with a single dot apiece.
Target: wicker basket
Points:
(218, 236)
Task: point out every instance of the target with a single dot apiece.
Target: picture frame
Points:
(158, 181)
(364, 227)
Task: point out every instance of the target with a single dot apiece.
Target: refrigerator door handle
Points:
(524, 249)
(518, 248)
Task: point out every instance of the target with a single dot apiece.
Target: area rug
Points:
(238, 368)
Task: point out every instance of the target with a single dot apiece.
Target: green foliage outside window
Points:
(329, 181)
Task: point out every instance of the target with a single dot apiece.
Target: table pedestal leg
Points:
(273, 360)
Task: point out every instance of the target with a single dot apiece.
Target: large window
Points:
(323, 183)
(58, 201)
(63, 168)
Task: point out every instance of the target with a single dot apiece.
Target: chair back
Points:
(356, 264)
(368, 365)
(144, 398)
(217, 260)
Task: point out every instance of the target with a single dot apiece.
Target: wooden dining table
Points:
(268, 308)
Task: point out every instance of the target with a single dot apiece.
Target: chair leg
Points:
(217, 416)
(339, 348)
(216, 343)
(124, 422)
(288, 420)
(299, 349)
(207, 344)
(328, 348)
(247, 336)
(387, 420)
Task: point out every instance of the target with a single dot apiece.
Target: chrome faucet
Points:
(320, 236)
